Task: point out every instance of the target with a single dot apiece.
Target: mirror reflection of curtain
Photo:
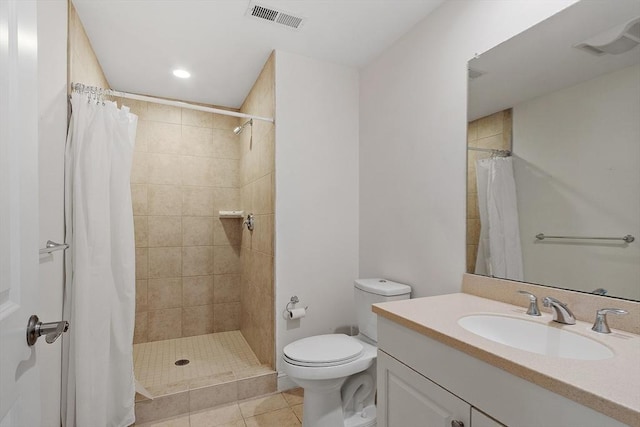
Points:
(499, 249)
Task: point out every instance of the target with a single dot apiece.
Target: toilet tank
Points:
(372, 291)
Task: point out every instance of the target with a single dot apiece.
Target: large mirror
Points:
(554, 153)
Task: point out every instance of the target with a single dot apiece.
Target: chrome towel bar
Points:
(52, 247)
(628, 238)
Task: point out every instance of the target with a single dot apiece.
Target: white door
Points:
(19, 379)
(52, 130)
(407, 399)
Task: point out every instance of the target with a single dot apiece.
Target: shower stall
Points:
(204, 326)
(204, 294)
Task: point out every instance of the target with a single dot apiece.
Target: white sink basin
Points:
(535, 337)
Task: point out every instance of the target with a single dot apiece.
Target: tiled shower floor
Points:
(212, 357)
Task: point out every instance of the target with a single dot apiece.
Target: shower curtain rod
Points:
(505, 153)
(79, 87)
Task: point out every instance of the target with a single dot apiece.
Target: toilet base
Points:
(365, 418)
(322, 409)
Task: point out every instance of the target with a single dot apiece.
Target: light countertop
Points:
(610, 386)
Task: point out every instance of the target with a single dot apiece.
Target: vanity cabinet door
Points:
(479, 419)
(407, 399)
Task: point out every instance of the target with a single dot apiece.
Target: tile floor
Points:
(275, 410)
(209, 355)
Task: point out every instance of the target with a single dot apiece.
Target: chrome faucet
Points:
(561, 312)
(600, 325)
(533, 309)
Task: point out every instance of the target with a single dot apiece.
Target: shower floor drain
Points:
(182, 362)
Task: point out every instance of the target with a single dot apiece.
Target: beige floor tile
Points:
(297, 409)
(262, 405)
(165, 389)
(209, 355)
(222, 415)
(257, 386)
(162, 408)
(239, 423)
(280, 418)
(210, 397)
(295, 396)
(253, 371)
(180, 421)
(209, 380)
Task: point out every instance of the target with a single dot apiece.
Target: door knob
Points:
(51, 330)
(456, 423)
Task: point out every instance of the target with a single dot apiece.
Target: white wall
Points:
(52, 129)
(413, 102)
(576, 166)
(316, 254)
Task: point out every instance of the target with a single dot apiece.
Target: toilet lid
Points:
(334, 349)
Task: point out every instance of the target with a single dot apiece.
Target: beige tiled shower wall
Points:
(257, 161)
(492, 132)
(83, 66)
(191, 278)
(185, 169)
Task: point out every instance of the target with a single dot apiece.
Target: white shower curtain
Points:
(499, 249)
(98, 383)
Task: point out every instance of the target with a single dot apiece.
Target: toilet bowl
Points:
(321, 365)
(337, 371)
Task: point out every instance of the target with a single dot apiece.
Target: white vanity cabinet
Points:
(478, 419)
(408, 399)
(423, 382)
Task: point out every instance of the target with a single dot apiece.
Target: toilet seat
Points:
(323, 351)
(331, 370)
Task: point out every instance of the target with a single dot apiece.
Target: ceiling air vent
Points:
(275, 16)
(264, 13)
(289, 20)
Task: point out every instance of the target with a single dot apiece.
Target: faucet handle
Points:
(600, 325)
(533, 309)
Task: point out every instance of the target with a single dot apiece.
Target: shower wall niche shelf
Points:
(231, 214)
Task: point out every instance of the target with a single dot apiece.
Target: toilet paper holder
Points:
(291, 304)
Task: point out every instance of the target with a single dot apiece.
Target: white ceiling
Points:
(542, 60)
(139, 42)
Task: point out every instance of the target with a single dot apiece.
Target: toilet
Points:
(337, 371)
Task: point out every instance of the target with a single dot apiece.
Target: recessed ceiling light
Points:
(183, 74)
